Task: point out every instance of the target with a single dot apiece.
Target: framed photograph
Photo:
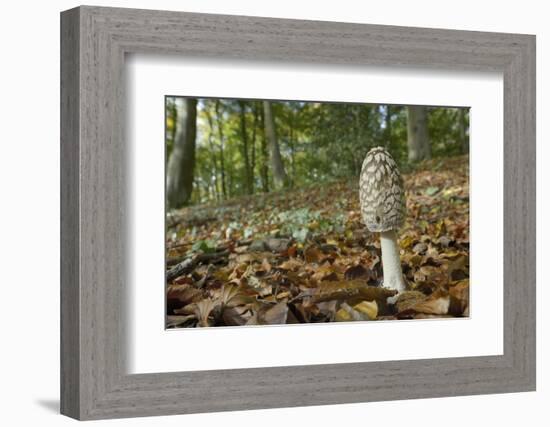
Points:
(296, 212)
(276, 213)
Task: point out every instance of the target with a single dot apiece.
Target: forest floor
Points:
(304, 255)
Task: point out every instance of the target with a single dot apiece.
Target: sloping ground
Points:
(304, 255)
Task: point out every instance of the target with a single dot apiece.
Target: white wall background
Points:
(29, 211)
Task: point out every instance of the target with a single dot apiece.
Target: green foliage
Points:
(204, 246)
(319, 142)
(304, 222)
(296, 222)
(430, 191)
(448, 129)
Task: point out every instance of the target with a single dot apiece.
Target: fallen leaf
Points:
(460, 298)
(203, 309)
(324, 272)
(260, 286)
(266, 266)
(370, 308)
(277, 245)
(235, 316)
(351, 291)
(292, 264)
(178, 321)
(292, 251)
(437, 303)
(406, 241)
(312, 254)
(420, 248)
(270, 315)
(365, 310)
(408, 299)
(276, 315)
(178, 296)
(430, 191)
(356, 272)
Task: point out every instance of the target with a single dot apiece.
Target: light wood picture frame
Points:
(94, 42)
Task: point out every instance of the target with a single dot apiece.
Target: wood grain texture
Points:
(70, 314)
(95, 235)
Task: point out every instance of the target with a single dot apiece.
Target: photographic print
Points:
(295, 212)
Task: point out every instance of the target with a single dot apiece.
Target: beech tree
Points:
(248, 166)
(181, 163)
(222, 142)
(279, 174)
(417, 133)
(463, 129)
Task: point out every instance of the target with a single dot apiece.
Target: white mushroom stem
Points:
(391, 263)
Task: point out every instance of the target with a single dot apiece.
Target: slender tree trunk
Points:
(174, 114)
(264, 170)
(230, 191)
(254, 132)
(279, 174)
(356, 111)
(388, 130)
(417, 133)
(181, 165)
(244, 137)
(197, 194)
(292, 152)
(213, 154)
(222, 159)
(463, 129)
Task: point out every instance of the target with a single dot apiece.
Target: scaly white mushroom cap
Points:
(383, 208)
(381, 192)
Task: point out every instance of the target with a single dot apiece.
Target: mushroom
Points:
(382, 208)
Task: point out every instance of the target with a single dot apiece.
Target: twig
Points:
(189, 263)
(181, 268)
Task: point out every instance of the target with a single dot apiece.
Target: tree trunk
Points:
(292, 148)
(463, 129)
(213, 153)
(388, 131)
(174, 115)
(244, 137)
(181, 165)
(222, 159)
(264, 171)
(417, 133)
(253, 153)
(279, 173)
